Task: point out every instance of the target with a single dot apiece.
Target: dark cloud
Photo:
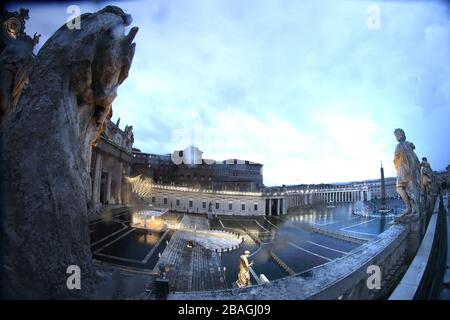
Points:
(306, 81)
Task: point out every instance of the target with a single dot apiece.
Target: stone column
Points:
(278, 207)
(108, 187)
(270, 206)
(97, 177)
(119, 185)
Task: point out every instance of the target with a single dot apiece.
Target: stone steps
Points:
(191, 269)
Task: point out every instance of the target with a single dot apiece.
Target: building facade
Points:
(375, 187)
(270, 202)
(110, 164)
(187, 168)
(190, 200)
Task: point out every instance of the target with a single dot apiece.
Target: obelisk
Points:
(383, 188)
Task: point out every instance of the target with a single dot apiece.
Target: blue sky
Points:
(304, 87)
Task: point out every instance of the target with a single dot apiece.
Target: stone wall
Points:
(423, 279)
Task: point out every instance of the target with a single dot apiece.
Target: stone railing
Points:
(350, 277)
(343, 278)
(423, 279)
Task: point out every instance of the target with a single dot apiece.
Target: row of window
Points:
(195, 177)
(217, 205)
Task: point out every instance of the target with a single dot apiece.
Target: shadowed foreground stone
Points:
(46, 153)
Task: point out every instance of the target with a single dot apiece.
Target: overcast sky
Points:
(305, 87)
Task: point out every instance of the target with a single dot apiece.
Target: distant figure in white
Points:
(244, 271)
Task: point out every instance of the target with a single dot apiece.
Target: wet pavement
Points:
(292, 238)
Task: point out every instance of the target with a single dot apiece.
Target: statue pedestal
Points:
(414, 238)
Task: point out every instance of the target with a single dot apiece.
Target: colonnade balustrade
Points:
(304, 197)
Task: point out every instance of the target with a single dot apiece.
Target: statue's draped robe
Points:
(244, 272)
(427, 177)
(407, 166)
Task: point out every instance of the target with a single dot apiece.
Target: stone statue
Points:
(244, 270)
(129, 133)
(16, 58)
(407, 166)
(46, 154)
(12, 24)
(426, 177)
(118, 123)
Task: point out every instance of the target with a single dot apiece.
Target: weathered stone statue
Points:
(46, 153)
(407, 166)
(426, 177)
(16, 58)
(129, 133)
(244, 271)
